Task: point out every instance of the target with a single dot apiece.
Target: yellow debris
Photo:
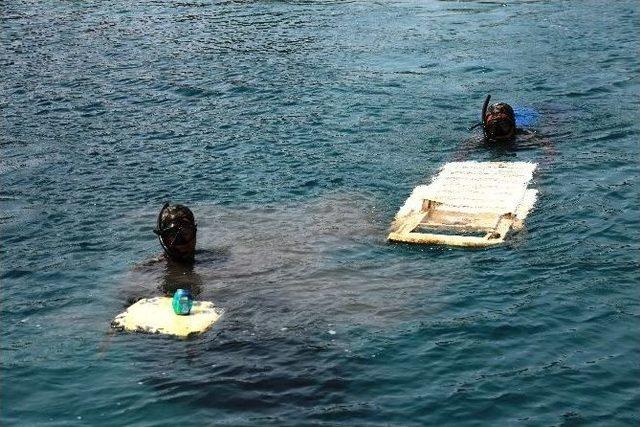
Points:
(156, 316)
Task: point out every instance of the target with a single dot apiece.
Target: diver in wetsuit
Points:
(176, 229)
(499, 123)
(501, 135)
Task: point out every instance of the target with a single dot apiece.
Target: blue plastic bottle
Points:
(182, 302)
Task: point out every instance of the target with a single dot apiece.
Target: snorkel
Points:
(176, 230)
(484, 115)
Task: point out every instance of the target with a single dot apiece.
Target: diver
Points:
(503, 136)
(174, 269)
(499, 123)
(176, 229)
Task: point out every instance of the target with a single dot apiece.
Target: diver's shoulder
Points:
(526, 135)
(150, 263)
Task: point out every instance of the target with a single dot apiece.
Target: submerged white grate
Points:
(477, 187)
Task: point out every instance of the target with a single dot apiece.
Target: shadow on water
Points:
(299, 284)
(297, 257)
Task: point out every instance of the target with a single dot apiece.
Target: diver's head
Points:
(176, 229)
(499, 122)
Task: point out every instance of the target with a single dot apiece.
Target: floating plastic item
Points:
(157, 316)
(472, 204)
(182, 302)
(525, 116)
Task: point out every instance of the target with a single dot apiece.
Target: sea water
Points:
(295, 130)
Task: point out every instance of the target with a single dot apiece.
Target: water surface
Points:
(295, 130)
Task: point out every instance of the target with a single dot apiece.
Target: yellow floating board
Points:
(156, 316)
(470, 204)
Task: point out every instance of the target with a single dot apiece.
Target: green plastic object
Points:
(182, 302)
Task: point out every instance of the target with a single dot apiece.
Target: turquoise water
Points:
(295, 130)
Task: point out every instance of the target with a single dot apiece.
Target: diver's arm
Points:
(142, 280)
(548, 149)
(525, 132)
(464, 150)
